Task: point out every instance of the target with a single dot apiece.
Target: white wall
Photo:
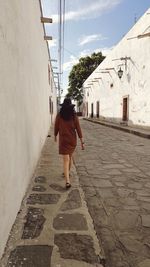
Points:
(24, 103)
(135, 82)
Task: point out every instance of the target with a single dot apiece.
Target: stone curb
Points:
(121, 128)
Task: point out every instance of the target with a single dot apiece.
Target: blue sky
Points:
(90, 26)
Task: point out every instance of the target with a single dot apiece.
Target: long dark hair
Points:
(67, 111)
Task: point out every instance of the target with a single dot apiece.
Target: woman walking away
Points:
(67, 124)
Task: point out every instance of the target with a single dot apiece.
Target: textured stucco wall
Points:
(134, 84)
(24, 103)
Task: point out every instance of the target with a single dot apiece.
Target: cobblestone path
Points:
(114, 172)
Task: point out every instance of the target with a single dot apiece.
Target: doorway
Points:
(125, 108)
(97, 109)
(92, 110)
(87, 112)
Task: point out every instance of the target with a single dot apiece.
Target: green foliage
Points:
(80, 72)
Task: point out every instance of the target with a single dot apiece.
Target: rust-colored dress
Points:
(67, 134)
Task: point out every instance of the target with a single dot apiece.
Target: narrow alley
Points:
(103, 220)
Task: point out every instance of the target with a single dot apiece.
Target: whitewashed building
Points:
(27, 103)
(125, 99)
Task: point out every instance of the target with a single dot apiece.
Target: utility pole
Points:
(59, 95)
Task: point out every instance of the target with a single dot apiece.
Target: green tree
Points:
(80, 72)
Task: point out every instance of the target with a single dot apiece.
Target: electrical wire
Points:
(63, 31)
(61, 37)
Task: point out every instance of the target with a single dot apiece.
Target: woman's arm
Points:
(78, 128)
(79, 132)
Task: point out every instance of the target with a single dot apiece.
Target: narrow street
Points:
(114, 172)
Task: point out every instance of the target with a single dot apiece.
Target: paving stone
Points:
(73, 201)
(113, 172)
(98, 215)
(58, 188)
(75, 221)
(101, 183)
(34, 223)
(117, 259)
(135, 185)
(38, 188)
(104, 193)
(146, 206)
(141, 175)
(119, 184)
(132, 170)
(143, 193)
(100, 176)
(146, 220)
(144, 199)
(113, 166)
(76, 247)
(119, 179)
(31, 256)
(89, 191)
(107, 238)
(112, 202)
(85, 181)
(40, 179)
(128, 165)
(145, 263)
(147, 185)
(129, 201)
(43, 199)
(131, 207)
(130, 243)
(126, 219)
(124, 192)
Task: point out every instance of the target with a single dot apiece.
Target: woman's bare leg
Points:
(70, 161)
(66, 161)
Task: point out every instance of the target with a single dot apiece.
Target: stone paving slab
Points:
(39, 188)
(73, 201)
(30, 256)
(34, 223)
(83, 249)
(75, 221)
(43, 199)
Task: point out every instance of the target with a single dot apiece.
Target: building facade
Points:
(27, 103)
(125, 99)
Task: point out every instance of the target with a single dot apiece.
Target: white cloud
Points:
(105, 50)
(90, 38)
(87, 9)
(84, 53)
(68, 65)
(74, 60)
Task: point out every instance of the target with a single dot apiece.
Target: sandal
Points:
(68, 185)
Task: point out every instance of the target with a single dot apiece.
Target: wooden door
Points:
(125, 109)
